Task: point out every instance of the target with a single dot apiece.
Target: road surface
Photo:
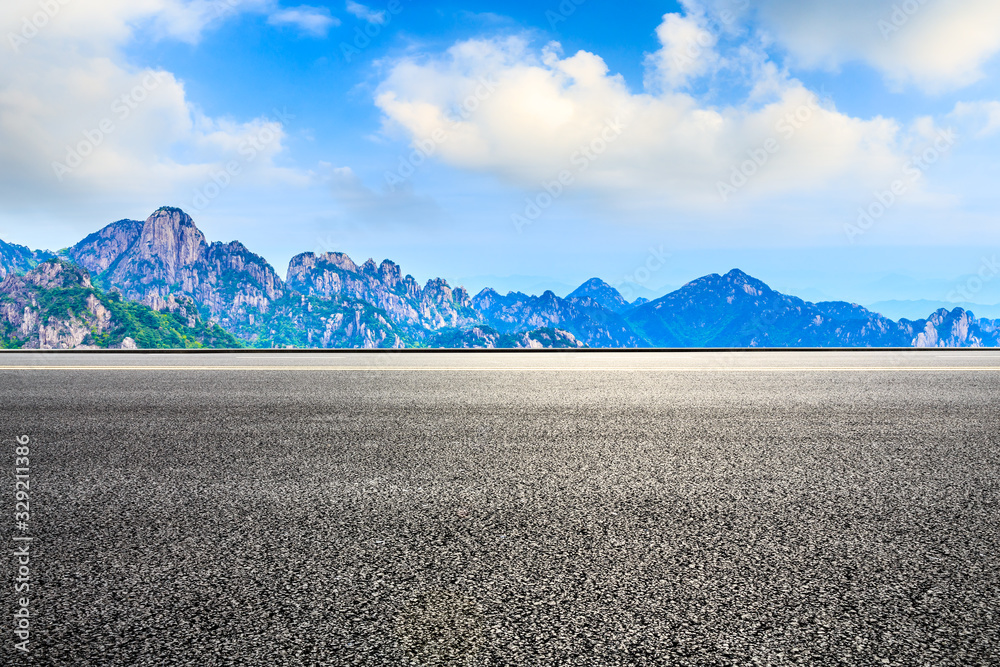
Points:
(766, 508)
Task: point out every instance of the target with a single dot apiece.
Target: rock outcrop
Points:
(334, 275)
(958, 328)
(101, 250)
(55, 306)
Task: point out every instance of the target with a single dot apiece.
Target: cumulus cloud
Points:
(688, 51)
(365, 13)
(314, 21)
(529, 116)
(79, 123)
(935, 45)
(983, 116)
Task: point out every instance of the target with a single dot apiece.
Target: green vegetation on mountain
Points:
(57, 302)
(154, 330)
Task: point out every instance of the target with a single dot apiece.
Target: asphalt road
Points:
(507, 509)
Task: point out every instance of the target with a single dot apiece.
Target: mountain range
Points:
(160, 283)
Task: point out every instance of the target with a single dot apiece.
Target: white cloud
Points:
(104, 26)
(526, 117)
(933, 44)
(79, 124)
(315, 21)
(365, 13)
(984, 116)
(688, 51)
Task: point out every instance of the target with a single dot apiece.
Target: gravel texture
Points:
(519, 518)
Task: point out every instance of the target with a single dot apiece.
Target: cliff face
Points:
(56, 307)
(312, 322)
(26, 315)
(958, 328)
(166, 259)
(100, 250)
(335, 275)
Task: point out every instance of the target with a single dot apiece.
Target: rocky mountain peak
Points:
(601, 293)
(100, 250)
(390, 273)
(594, 285)
(57, 274)
(341, 261)
(170, 239)
(307, 261)
(737, 277)
(735, 282)
(438, 291)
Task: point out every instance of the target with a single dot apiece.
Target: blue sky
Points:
(838, 150)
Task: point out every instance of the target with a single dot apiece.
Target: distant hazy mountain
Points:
(633, 292)
(602, 294)
(895, 287)
(161, 275)
(913, 310)
(584, 317)
(514, 283)
(18, 259)
(736, 310)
